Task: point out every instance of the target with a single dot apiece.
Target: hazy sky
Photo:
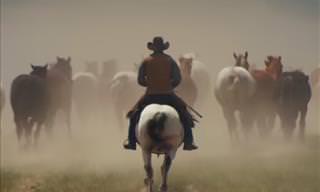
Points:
(36, 31)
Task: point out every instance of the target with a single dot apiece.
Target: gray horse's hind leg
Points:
(164, 172)
(149, 171)
(231, 122)
(247, 119)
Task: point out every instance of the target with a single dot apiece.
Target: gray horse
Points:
(159, 131)
(234, 90)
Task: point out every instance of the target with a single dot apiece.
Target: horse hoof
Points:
(148, 181)
(163, 188)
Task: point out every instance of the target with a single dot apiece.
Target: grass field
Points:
(290, 168)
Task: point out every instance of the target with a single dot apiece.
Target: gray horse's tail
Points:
(156, 125)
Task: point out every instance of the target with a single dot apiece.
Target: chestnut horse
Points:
(266, 82)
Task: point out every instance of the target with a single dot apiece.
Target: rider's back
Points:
(158, 74)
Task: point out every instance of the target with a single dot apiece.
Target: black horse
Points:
(292, 97)
(29, 101)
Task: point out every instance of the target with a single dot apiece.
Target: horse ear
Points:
(246, 54)
(235, 55)
(32, 66)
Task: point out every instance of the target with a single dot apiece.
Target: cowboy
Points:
(160, 74)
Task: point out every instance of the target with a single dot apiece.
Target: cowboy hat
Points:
(158, 44)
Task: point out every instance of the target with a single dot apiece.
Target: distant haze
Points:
(36, 31)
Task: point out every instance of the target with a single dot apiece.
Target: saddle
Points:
(175, 101)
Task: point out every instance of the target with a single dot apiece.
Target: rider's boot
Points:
(130, 143)
(188, 140)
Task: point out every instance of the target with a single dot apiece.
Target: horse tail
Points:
(234, 80)
(156, 125)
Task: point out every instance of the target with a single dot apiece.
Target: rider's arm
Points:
(175, 74)
(142, 76)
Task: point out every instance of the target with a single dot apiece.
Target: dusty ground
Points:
(93, 160)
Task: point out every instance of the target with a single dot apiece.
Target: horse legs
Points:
(270, 122)
(247, 122)
(28, 125)
(37, 133)
(164, 172)
(49, 122)
(262, 122)
(67, 112)
(149, 171)
(231, 122)
(288, 125)
(19, 128)
(302, 123)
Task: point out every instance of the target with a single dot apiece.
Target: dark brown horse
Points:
(29, 101)
(292, 96)
(266, 81)
(59, 81)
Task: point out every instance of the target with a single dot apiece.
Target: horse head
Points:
(64, 65)
(241, 60)
(92, 67)
(274, 66)
(109, 67)
(185, 62)
(40, 71)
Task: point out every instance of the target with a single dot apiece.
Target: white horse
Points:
(234, 90)
(159, 131)
(125, 92)
(187, 89)
(85, 95)
(201, 78)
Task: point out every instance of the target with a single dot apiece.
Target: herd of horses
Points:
(259, 95)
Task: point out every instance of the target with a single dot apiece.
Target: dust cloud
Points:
(38, 31)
